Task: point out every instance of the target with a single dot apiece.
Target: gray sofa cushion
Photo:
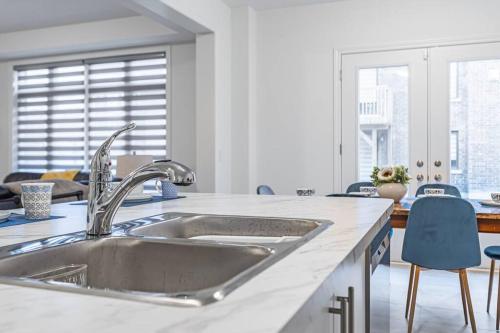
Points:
(60, 186)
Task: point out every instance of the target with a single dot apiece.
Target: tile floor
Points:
(439, 305)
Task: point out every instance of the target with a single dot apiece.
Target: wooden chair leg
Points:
(413, 298)
(410, 288)
(498, 301)
(463, 275)
(490, 285)
(464, 302)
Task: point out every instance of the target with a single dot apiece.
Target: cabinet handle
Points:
(346, 311)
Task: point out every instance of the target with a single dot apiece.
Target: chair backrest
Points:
(346, 195)
(356, 186)
(265, 190)
(448, 189)
(441, 233)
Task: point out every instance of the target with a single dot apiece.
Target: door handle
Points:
(420, 163)
(438, 177)
(437, 163)
(346, 311)
(420, 177)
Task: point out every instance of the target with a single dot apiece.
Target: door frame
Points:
(415, 60)
(337, 86)
(440, 92)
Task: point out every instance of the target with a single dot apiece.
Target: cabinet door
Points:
(315, 317)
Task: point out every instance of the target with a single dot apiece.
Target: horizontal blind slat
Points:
(126, 107)
(137, 88)
(50, 85)
(52, 121)
(51, 94)
(51, 103)
(50, 75)
(120, 69)
(127, 98)
(126, 79)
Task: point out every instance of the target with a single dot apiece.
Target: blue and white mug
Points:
(167, 189)
(36, 199)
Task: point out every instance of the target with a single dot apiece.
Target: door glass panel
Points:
(475, 127)
(383, 136)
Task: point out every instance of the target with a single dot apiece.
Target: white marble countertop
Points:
(263, 304)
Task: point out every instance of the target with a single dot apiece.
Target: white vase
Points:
(394, 191)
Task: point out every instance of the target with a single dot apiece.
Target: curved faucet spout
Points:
(103, 202)
(110, 201)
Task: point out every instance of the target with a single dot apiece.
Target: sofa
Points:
(10, 200)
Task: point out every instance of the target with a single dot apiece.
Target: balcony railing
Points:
(375, 106)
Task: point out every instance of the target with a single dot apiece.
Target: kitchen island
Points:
(286, 297)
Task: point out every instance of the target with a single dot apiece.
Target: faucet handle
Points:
(107, 144)
(101, 161)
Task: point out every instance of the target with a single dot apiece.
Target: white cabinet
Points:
(315, 317)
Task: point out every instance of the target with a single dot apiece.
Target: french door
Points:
(384, 113)
(435, 110)
(464, 114)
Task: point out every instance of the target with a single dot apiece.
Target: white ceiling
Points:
(16, 15)
(268, 4)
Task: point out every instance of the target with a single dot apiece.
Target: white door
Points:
(464, 124)
(384, 113)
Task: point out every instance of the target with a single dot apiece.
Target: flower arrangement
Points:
(393, 174)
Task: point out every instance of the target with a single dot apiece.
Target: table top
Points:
(482, 212)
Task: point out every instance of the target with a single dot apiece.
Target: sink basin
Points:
(172, 258)
(224, 228)
(173, 272)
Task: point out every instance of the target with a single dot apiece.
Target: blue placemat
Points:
(155, 198)
(17, 219)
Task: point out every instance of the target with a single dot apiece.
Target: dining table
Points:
(488, 217)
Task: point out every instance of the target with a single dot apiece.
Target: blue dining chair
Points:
(356, 187)
(448, 189)
(345, 195)
(441, 233)
(265, 190)
(493, 252)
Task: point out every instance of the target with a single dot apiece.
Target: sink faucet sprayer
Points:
(103, 202)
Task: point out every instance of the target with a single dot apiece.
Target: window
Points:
(383, 117)
(475, 144)
(454, 150)
(454, 81)
(66, 110)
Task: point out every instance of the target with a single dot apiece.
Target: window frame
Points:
(455, 135)
(78, 57)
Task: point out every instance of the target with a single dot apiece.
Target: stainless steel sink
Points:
(167, 272)
(155, 259)
(230, 228)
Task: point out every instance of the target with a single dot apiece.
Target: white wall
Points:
(214, 93)
(182, 134)
(295, 73)
(243, 98)
(183, 106)
(6, 92)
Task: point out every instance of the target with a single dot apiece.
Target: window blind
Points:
(66, 110)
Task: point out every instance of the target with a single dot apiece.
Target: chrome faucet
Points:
(103, 201)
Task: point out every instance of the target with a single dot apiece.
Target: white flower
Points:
(386, 174)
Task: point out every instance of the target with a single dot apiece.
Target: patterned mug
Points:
(167, 188)
(36, 199)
